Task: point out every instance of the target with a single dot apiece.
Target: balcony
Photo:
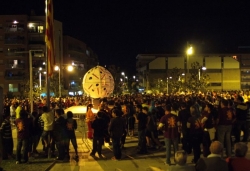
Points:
(37, 42)
(17, 66)
(14, 41)
(17, 29)
(15, 77)
(15, 54)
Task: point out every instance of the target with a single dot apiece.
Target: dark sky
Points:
(118, 30)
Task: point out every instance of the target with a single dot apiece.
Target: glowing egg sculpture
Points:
(98, 82)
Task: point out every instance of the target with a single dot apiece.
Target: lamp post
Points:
(189, 51)
(59, 80)
(123, 74)
(199, 71)
(31, 79)
(40, 80)
(167, 83)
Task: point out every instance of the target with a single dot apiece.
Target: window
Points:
(40, 29)
(87, 52)
(13, 87)
(215, 84)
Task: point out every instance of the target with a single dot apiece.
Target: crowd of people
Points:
(201, 123)
(50, 125)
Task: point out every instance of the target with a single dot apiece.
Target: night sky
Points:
(118, 30)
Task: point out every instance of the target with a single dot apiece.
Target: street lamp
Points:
(57, 68)
(40, 80)
(189, 51)
(199, 70)
(167, 83)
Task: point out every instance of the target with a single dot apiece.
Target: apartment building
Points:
(21, 34)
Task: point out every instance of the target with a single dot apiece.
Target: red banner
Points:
(49, 38)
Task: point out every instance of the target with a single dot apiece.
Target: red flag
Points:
(49, 38)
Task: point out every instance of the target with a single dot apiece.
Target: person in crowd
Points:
(106, 116)
(71, 127)
(142, 125)
(89, 119)
(98, 125)
(48, 120)
(241, 117)
(181, 160)
(7, 139)
(24, 126)
(209, 115)
(248, 117)
(184, 115)
(171, 127)
(32, 133)
(18, 109)
(151, 131)
(36, 132)
(195, 132)
(214, 161)
(159, 110)
(60, 136)
(239, 162)
(41, 126)
(125, 114)
(131, 124)
(224, 125)
(116, 130)
(12, 113)
(1, 169)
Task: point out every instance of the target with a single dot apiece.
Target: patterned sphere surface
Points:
(98, 82)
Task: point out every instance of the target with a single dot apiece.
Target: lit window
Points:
(13, 88)
(40, 29)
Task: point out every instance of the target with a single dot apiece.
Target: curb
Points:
(50, 167)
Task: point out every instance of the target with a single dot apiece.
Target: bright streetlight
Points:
(190, 50)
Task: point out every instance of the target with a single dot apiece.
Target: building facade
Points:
(226, 71)
(78, 54)
(21, 34)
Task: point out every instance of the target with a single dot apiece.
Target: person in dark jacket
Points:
(241, 117)
(116, 130)
(195, 127)
(24, 126)
(98, 125)
(142, 125)
(71, 127)
(60, 135)
(7, 138)
(184, 115)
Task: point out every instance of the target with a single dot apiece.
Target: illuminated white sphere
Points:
(98, 82)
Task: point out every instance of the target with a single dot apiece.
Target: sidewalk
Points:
(130, 160)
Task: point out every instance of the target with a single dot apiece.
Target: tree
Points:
(194, 81)
(175, 80)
